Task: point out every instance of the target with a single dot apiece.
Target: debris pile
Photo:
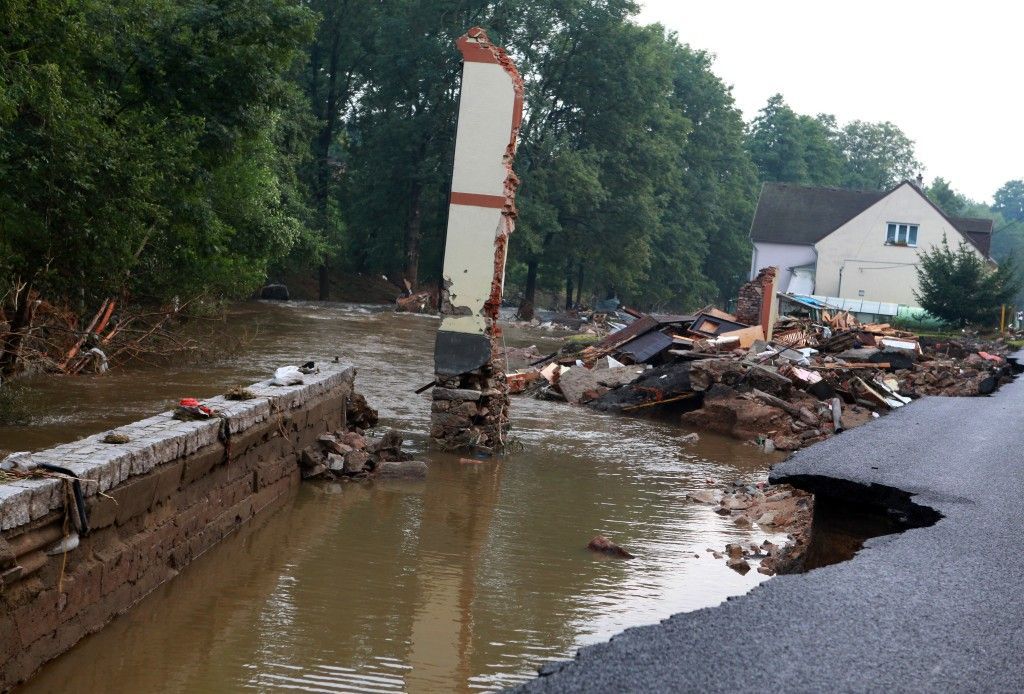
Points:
(417, 302)
(806, 376)
(351, 454)
(774, 509)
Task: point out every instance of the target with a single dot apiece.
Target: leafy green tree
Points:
(960, 288)
(943, 195)
(878, 155)
(791, 148)
(703, 253)
(149, 147)
(1009, 201)
(597, 109)
(776, 143)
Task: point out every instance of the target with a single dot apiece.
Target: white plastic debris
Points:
(100, 364)
(64, 545)
(287, 376)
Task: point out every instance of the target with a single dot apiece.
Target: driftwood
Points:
(801, 413)
(852, 365)
(85, 335)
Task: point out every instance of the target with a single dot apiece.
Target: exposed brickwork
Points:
(480, 420)
(192, 492)
(470, 411)
(751, 296)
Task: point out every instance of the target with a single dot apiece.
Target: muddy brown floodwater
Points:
(464, 582)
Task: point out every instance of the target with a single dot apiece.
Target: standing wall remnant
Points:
(756, 302)
(470, 400)
(170, 492)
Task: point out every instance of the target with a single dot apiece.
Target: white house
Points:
(853, 244)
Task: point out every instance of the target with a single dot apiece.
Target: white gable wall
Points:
(784, 256)
(854, 261)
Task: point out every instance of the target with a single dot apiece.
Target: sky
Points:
(947, 73)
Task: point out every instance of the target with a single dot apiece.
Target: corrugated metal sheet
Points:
(670, 318)
(648, 346)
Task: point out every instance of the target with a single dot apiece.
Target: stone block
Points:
(457, 394)
(200, 464)
(134, 497)
(168, 478)
(102, 512)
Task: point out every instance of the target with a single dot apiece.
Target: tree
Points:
(943, 195)
(1009, 201)
(960, 288)
(704, 252)
(790, 148)
(878, 155)
(149, 147)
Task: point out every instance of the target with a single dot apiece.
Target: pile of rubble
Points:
(350, 454)
(776, 508)
(814, 375)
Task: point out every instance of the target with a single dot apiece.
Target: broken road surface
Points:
(936, 608)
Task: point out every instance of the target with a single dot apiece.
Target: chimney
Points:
(920, 181)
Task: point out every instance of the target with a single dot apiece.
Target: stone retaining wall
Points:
(168, 495)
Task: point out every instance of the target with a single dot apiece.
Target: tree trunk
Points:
(579, 284)
(412, 237)
(568, 285)
(530, 292)
(20, 324)
(322, 146)
(325, 283)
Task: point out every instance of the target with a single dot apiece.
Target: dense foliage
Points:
(146, 146)
(159, 148)
(793, 148)
(961, 289)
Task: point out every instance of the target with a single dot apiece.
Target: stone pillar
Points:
(470, 406)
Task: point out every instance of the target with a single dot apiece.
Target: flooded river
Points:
(464, 582)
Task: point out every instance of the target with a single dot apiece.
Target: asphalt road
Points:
(934, 609)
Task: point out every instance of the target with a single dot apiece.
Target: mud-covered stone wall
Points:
(155, 503)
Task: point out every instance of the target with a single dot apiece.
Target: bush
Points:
(960, 288)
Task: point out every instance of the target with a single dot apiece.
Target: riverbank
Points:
(929, 608)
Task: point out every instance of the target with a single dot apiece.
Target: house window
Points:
(901, 234)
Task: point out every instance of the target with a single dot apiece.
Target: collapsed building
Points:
(784, 371)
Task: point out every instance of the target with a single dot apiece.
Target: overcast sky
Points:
(947, 73)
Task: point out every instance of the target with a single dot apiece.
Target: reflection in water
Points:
(463, 582)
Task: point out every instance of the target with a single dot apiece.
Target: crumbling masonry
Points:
(751, 296)
(470, 401)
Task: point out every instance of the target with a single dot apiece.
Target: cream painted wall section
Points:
(486, 109)
(854, 261)
(783, 256)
